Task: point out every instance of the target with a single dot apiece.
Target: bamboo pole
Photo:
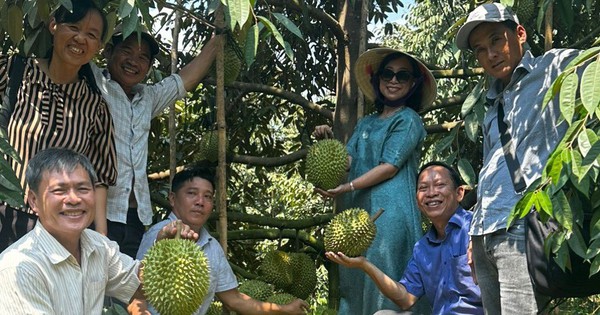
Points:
(222, 134)
(172, 116)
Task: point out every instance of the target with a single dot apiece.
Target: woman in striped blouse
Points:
(59, 105)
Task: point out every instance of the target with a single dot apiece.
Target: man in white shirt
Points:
(132, 106)
(61, 267)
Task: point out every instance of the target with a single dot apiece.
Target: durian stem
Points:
(377, 215)
(178, 226)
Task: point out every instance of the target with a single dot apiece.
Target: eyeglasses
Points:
(402, 76)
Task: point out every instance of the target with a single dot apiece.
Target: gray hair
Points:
(56, 160)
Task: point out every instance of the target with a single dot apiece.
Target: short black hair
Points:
(189, 174)
(56, 160)
(456, 179)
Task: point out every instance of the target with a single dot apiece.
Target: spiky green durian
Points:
(256, 289)
(526, 10)
(276, 268)
(281, 298)
(304, 276)
(351, 232)
(215, 308)
(326, 163)
(208, 147)
(232, 64)
(176, 276)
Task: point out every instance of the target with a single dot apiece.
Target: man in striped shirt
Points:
(60, 267)
(132, 106)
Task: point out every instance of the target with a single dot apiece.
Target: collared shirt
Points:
(131, 119)
(39, 276)
(222, 277)
(47, 114)
(535, 133)
(438, 269)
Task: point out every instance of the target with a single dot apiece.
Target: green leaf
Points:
(595, 226)
(472, 99)
(590, 158)
(67, 4)
(595, 267)
(576, 159)
(472, 126)
(251, 44)
(562, 258)
(542, 202)
(126, 7)
(577, 243)
(443, 144)
(273, 30)
(285, 21)
(239, 11)
(554, 167)
(521, 209)
(590, 87)
(593, 249)
(466, 171)
(130, 24)
(15, 23)
(567, 96)
(562, 211)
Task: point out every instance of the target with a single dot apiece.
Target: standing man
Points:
(191, 199)
(132, 106)
(518, 84)
(438, 268)
(60, 267)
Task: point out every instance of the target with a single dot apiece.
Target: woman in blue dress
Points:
(384, 152)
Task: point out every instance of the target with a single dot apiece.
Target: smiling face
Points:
(76, 43)
(193, 202)
(393, 90)
(437, 194)
(498, 49)
(65, 202)
(128, 62)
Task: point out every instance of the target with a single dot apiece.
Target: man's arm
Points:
(198, 68)
(392, 289)
(100, 216)
(236, 301)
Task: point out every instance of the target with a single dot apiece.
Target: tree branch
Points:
(274, 234)
(270, 161)
(292, 97)
(457, 73)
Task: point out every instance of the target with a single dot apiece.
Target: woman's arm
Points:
(374, 176)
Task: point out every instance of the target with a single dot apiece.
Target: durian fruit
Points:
(215, 308)
(525, 10)
(276, 268)
(304, 275)
(281, 298)
(351, 232)
(208, 146)
(232, 64)
(256, 289)
(326, 163)
(176, 276)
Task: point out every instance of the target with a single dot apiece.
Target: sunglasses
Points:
(402, 76)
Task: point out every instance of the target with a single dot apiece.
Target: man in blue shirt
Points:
(438, 268)
(516, 91)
